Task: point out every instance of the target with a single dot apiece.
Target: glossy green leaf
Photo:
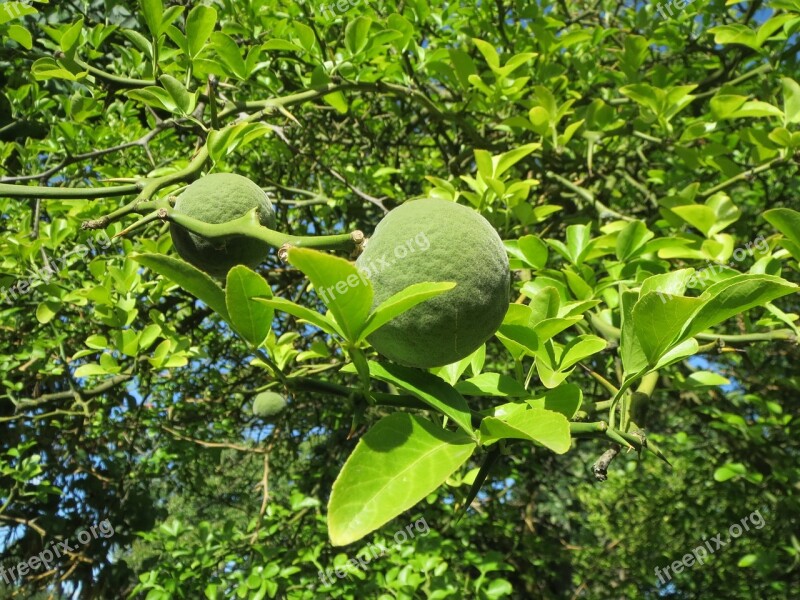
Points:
(729, 471)
(188, 277)
(301, 312)
(632, 239)
(659, 320)
(21, 35)
(340, 286)
(565, 399)
(401, 302)
(152, 10)
(251, 319)
(732, 296)
(356, 34)
(429, 388)
(200, 22)
(785, 220)
(71, 37)
(791, 100)
(631, 353)
(492, 384)
(546, 427)
(397, 463)
(229, 53)
(183, 100)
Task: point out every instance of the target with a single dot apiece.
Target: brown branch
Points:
(95, 391)
(600, 467)
(205, 444)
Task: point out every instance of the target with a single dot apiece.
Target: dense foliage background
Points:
(632, 145)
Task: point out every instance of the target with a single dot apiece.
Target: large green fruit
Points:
(436, 240)
(218, 198)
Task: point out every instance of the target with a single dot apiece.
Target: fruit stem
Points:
(249, 226)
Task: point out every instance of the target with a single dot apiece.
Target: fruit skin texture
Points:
(268, 404)
(218, 198)
(463, 247)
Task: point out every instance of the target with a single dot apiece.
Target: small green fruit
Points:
(436, 240)
(268, 404)
(218, 198)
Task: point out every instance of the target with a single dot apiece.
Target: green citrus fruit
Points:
(436, 240)
(268, 404)
(218, 198)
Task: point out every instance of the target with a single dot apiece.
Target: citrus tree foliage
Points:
(640, 164)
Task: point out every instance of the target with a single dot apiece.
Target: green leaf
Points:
(785, 220)
(301, 312)
(554, 362)
(631, 240)
(305, 35)
(184, 101)
(791, 100)
(728, 471)
(533, 250)
(489, 53)
(492, 384)
(199, 24)
(251, 319)
(565, 399)
(668, 284)
(630, 348)
(747, 560)
(153, 11)
(356, 34)
(659, 320)
(90, 370)
(735, 295)
(188, 277)
(546, 427)
(724, 106)
(545, 304)
(771, 26)
(699, 216)
(735, 34)
(224, 141)
(677, 353)
(48, 68)
(756, 108)
(71, 37)
(402, 301)
(643, 94)
(580, 348)
(503, 162)
(15, 10)
(429, 388)
(153, 96)
(519, 340)
(340, 285)
(20, 35)
(399, 461)
(46, 311)
(229, 53)
(703, 379)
